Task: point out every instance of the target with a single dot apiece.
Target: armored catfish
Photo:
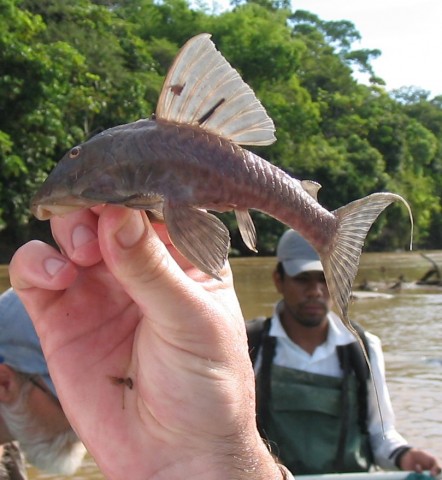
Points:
(187, 159)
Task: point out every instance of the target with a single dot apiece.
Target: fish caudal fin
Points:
(342, 259)
(202, 88)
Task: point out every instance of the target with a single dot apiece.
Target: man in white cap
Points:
(315, 400)
(30, 413)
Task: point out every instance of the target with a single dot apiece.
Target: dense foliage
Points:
(69, 69)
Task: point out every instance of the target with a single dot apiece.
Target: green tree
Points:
(39, 84)
(68, 70)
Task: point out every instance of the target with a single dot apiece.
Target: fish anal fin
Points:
(246, 228)
(199, 236)
(201, 87)
(311, 187)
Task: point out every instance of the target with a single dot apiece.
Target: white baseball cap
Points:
(297, 255)
(19, 344)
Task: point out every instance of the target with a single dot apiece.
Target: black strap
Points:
(359, 366)
(264, 382)
(256, 329)
(258, 338)
(340, 450)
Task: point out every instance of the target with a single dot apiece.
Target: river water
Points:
(407, 319)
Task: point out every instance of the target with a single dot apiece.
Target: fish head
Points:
(79, 180)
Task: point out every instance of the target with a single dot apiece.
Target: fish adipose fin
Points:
(202, 88)
(198, 235)
(311, 187)
(246, 228)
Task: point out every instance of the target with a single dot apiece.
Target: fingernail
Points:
(82, 235)
(132, 230)
(53, 265)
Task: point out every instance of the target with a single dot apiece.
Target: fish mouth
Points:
(45, 211)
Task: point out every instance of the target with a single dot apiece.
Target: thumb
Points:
(151, 272)
(134, 253)
(148, 267)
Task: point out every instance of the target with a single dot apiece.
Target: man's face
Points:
(306, 297)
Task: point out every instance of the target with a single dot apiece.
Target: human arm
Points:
(417, 460)
(119, 304)
(390, 449)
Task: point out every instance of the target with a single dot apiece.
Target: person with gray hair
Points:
(316, 403)
(31, 418)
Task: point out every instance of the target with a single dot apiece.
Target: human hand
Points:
(148, 354)
(418, 461)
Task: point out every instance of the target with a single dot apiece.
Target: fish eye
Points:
(75, 152)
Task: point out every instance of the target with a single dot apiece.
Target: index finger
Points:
(76, 235)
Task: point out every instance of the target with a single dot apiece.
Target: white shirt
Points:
(325, 361)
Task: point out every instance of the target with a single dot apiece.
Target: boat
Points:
(376, 475)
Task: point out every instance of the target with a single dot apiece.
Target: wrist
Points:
(398, 454)
(258, 463)
(286, 474)
(244, 458)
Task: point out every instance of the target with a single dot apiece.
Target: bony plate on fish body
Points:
(187, 159)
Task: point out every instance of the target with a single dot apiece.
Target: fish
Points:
(188, 159)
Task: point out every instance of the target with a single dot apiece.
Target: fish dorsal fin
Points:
(311, 187)
(201, 88)
(246, 228)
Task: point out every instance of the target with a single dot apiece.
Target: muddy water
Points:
(407, 319)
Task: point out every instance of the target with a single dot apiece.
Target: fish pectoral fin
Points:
(311, 187)
(202, 88)
(155, 215)
(246, 228)
(198, 235)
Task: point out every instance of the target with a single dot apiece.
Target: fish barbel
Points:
(186, 160)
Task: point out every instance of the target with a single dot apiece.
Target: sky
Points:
(408, 33)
